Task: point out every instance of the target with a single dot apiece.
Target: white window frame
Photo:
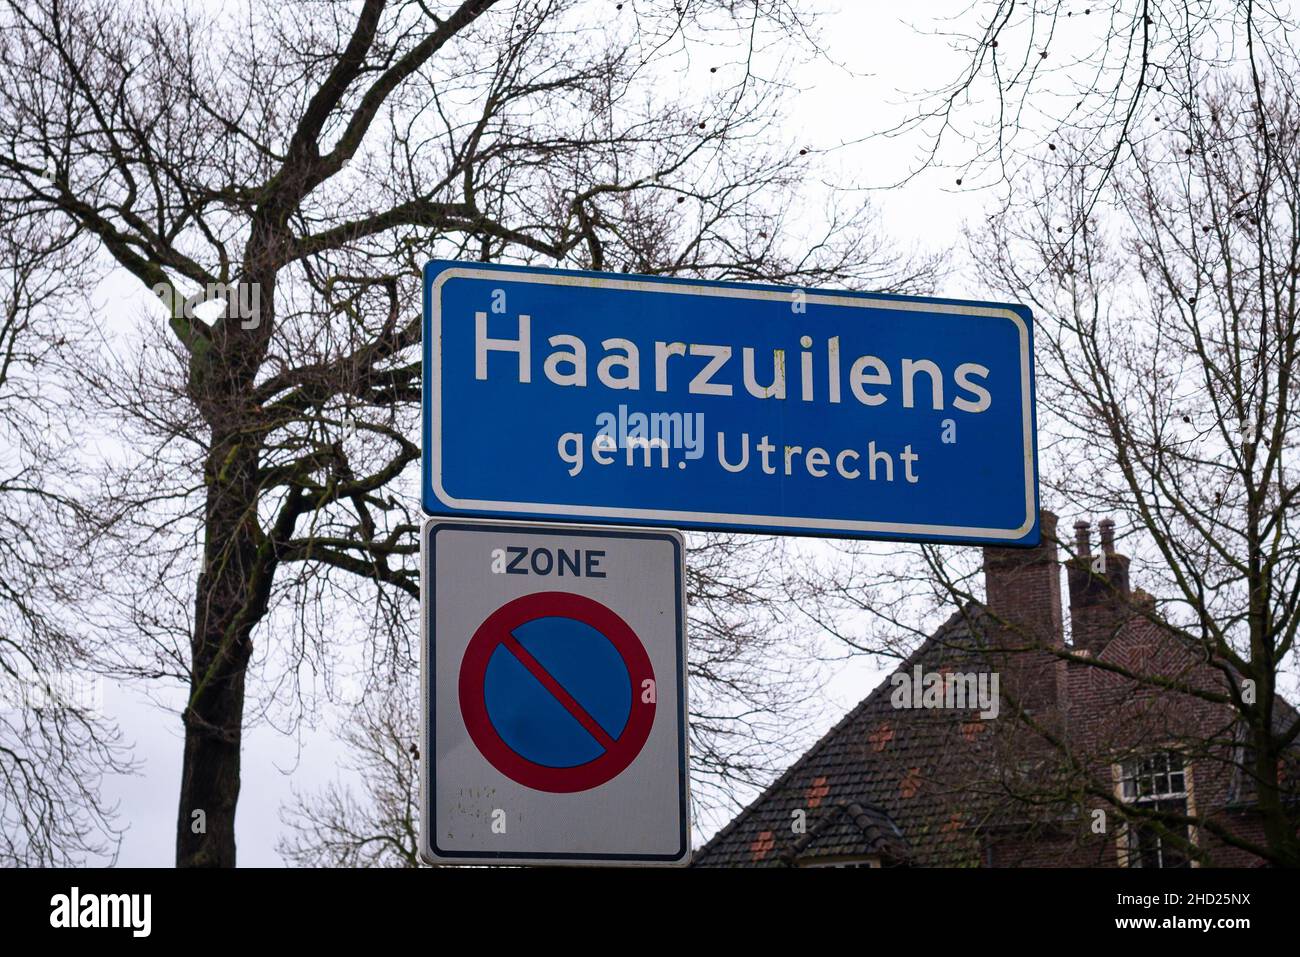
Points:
(1187, 794)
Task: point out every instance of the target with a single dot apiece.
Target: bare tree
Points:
(1100, 77)
(1170, 329)
(305, 188)
(55, 744)
(1166, 340)
(381, 828)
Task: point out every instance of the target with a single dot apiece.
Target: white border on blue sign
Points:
(793, 524)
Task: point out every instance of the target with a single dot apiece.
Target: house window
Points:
(1156, 783)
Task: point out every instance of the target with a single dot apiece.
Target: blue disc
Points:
(532, 721)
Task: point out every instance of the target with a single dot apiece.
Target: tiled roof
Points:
(869, 787)
(921, 787)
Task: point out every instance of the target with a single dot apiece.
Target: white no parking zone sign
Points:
(554, 694)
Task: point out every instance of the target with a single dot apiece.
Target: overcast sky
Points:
(833, 106)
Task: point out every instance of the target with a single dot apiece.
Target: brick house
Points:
(1072, 771)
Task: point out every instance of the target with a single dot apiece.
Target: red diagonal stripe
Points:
(557, 690)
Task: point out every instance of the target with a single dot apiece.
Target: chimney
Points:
(1023, 587)
(1100, 600)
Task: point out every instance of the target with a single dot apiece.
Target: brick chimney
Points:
(1023, 586)
(1023, 589)
(1100, 600)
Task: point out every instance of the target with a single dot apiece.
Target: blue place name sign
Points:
(599, 397)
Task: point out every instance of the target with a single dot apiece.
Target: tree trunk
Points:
(233, 587)
(221, 645)
(1278, 824)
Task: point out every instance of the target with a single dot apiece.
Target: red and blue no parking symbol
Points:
(557, 692)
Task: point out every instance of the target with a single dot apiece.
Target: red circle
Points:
(473, 704)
